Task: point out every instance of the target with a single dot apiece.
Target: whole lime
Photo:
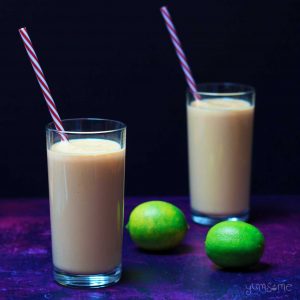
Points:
(157, 225)
(234, 244)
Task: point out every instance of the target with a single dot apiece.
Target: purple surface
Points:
(185, 273)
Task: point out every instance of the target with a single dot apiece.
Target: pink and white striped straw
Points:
(42, 81)
(179, 51)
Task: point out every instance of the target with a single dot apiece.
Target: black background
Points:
(114, 59)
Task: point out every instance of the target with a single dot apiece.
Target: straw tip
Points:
(22, 29)
(163, 8)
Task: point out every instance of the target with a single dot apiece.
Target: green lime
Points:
(157, 225)
(234, 244)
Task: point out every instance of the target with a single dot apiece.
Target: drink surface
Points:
(220, 140)
(86, 185)
(222, 104)
(86, 147)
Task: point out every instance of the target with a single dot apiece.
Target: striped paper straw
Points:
(179, 51)
(42, 81)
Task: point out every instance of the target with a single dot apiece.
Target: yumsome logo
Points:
(268, 287)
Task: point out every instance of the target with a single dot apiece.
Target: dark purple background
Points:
(183, 274)
(114, 59)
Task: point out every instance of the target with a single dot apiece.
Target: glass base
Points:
(208, 220)
(88, 281)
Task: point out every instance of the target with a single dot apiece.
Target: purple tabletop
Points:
(184, 273)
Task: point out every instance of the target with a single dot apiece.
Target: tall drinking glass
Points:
(219, 143)
(86, 187)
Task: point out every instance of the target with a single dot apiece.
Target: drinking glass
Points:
(86, 188)
(219, 143)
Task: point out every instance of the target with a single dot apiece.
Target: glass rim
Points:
(50, 127)
(244, 89)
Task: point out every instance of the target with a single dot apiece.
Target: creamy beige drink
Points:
(220, 139)
(86, 183)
